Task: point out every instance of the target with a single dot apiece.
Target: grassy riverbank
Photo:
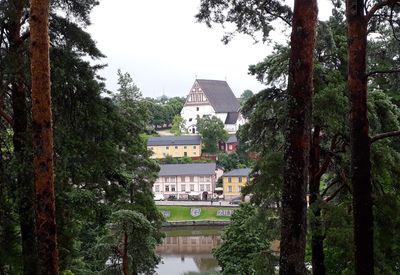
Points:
(183, 213)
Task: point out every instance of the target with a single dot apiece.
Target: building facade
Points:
(230, 145)
(233, 182)
(175, 146)
(212, 98)
(184, 181)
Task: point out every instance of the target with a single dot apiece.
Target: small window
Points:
(194, 146)
(194, 153)
(185, 154)
(167, 147)
(240, 188)
(173, 188)
(166, 179)
(197, 108)
(208, 188)
(190, 119)
(191, 179)
(229, 179)
(166, 188)
(192, 187)
(182, 179)
(229, 188)
(201, 187)
(183, 187)
(184, 147)
(240, 179)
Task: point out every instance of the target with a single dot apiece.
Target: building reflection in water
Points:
(191, 248)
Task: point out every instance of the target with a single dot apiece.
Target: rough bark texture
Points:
(300, 89)
(359, 139)
(317, 237)
(43, 137)
(125, 260)
(25, 187)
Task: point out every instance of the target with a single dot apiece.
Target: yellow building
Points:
(175, 146)
(233, 182)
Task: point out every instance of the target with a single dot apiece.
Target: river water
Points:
(187, 251)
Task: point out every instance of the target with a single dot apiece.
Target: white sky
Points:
(159, 43)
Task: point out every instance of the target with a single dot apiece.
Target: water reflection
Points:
(188, 251)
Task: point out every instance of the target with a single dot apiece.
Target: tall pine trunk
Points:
(22, 148)
(317, 237)
(43, 137)
(359, 139)
(125, 258)
(297, 143)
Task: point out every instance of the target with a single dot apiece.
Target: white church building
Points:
(212, 98)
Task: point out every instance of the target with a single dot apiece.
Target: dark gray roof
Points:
(188, 169)
(231, 118)
(232, 139)
(220, 95)
(174, 140)
(243, 172)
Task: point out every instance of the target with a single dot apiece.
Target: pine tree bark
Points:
(125, 260)
(359, 138)
(317, 238)
(25, 187)
(297, 144)
(43, 137)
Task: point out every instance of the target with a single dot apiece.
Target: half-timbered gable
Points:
(211, 98)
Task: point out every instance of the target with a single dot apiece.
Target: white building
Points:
(212, 98)
(182, 180)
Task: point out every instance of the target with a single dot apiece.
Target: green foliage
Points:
(212, 131)
(245, 96)
(171, 160)
(232, 161)
(141, 242)
(163, 110)
(249, 17)
(178, 123)
(246, 243)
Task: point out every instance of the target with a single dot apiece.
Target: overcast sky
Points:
(159, 43)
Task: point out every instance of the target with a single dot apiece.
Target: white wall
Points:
(190, 112)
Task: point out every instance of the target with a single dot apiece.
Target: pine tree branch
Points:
(379, 6)
(374, 73)
(6, 117)
(333, 195)
(385, 135)
(329, 186)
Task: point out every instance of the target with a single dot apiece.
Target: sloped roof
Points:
(231, 118)
(232, 139)
(243, 172)
(174, 140)
(187, 169)
(220, 95)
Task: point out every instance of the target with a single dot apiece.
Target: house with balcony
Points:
(233, 182)
(184, 181)
(212, 98)
(175, 146)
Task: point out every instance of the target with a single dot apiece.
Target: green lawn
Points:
(182, 213)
